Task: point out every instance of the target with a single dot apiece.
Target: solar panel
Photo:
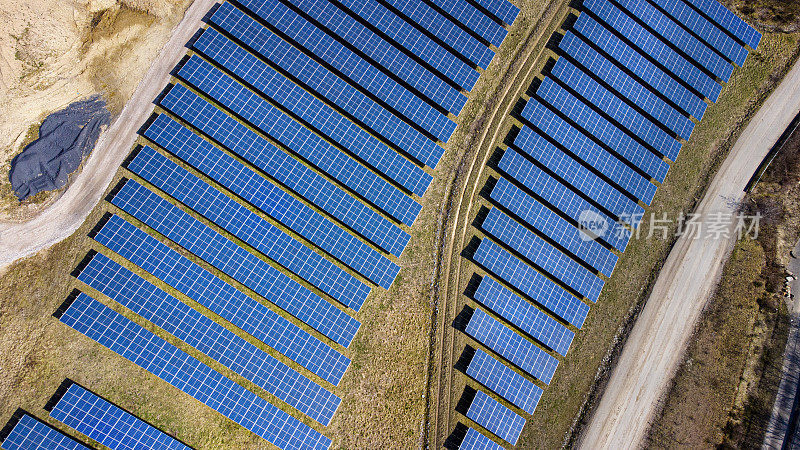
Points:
(554, 227)
(654, 47)
(474, 440)
(542, 254)
(209, 337)
(326, 85)
(729, 21)
(308, 108)
(162, 359)
(474, 20)
(284, 208)
(524, 315)
(29, 434)
(579, 176)
(108, 424)
(640, 66)
(236, 262)
(502, 9)
(223, 299)
(511, 346)
(412, 39)
(383, 53)
(352, 66)
(249, 227)
(679, 37)
(506, 383)
(704, 29)
(626, 117)
(445, 30)
(623, 146)
(531, 283)
(625, 85)
(496, 418)
(563, 198)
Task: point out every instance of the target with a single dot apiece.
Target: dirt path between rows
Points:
(690, 274)
(61, 219)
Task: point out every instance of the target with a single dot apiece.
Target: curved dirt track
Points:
(689, 276)
(61, 219)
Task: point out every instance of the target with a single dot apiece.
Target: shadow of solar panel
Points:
(31, 434)
(626, 117)
(209, 337)
(564, 198)
(542, 254)
(653, 46)
(729, 21)
(623, 147)
(531, 283)
(506, 383)
(580, 177)
(496, 418)
(249, 227)
(235, 262)
(413, 40)
(383, 53)
(640, 66)
(352, 66)
(162, 359)
(625, 85)
(474, 440)
(548, 223)
(223, 299)
(109, 425)
(673, 33)
(474, 20)
(502, 9)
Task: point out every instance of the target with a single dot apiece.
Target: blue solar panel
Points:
(578, 176)
(511, 346)
(445, 30)
(209, 337)
(496, 418)
(383, 53)
(353, 66)
(327, 85)
(506, 383)
(531, 283)
(30, 434)
(679, 37)
(626, 117)
(249, 227)
(554, 227)
(223, 299)
(524, 316)
(108, 424)
(474, 440)
(542, 254)
(502, 9)
(563, 198)
(626, 86)
(640, 66)
(405, 35)
(737, 27)
(654, 47)
(625, 148)
(164, 360)
(474, 19)
(305, 106)
(282, 207)
(236, 262)
(704, 29)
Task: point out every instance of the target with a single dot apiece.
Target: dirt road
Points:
(66, 215)
(690, 274)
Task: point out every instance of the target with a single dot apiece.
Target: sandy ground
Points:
(61, 219)
(686, 282)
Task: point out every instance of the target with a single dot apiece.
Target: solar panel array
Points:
(474, 440)
(598, 135)
(31, 434)
(277, 186)
(102, 421)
